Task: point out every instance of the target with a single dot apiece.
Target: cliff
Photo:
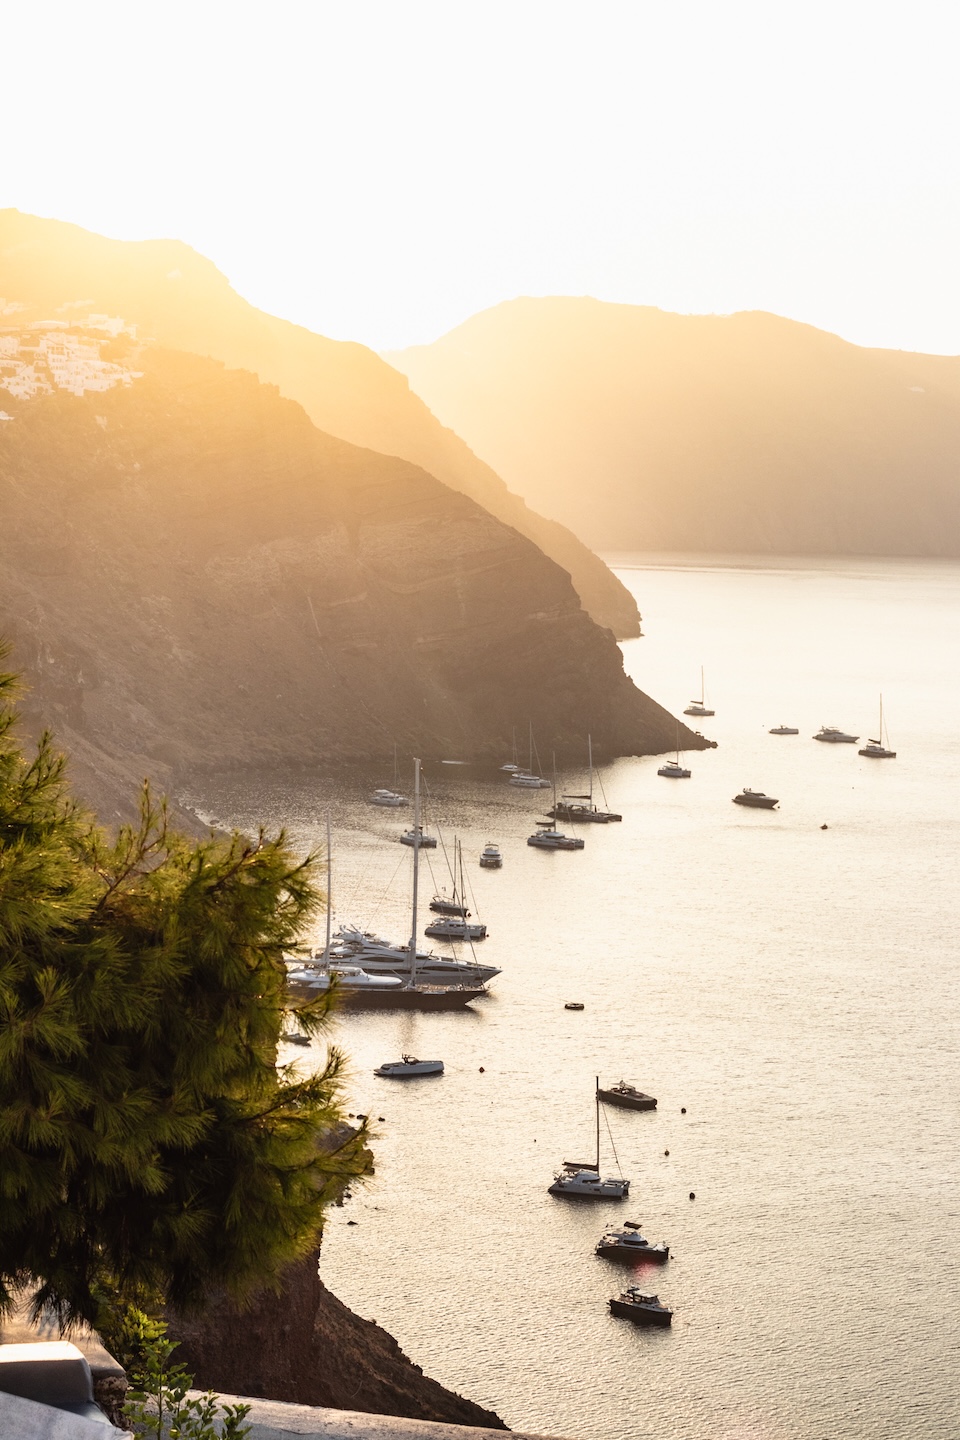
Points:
(645, 430)
(303, 1346)
(195, 577)
(172, 294)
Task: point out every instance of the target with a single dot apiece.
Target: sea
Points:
(786, 983)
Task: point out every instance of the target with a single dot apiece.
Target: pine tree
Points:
(150, 1145)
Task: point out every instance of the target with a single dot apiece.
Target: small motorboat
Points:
(389, 798)
(551, 839)
(629, 1245)
(293, 1037)
(452, 927)
(628, 1097)
(510, 769)
(673, 770)
(784, 730)
(427, 842)
(831, 736)
(756, 799)
(490, 857)
(573, 1005)
(408, 1068)
(640, 1306)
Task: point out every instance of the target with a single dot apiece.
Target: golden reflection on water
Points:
(794, 989)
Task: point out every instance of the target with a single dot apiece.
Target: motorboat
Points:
(510, 769)
(627, 1097)
(831, 736)
(293, 1037)
(784, 730)
(525, 781)
(699, 707)
(580, 809)
(354, 987)
(756, 800)
(581, 1179)
(673, 770)
(550, 838)
(451, 927)
(629, 1245)
(574, 1005)
(875, 749)
(389, 798)
(379, 957)
(408, 1068)
(427, 842)
(490, 857)
(640, 1306)
(440, 905)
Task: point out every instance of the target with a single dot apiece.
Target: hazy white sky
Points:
(381, 169)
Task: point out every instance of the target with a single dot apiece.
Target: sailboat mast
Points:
(703, 689)
(530, 761)
(597, 1100)
(416, 870)
(590, 766)
(326, 948)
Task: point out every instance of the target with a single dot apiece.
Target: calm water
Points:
(795, 989)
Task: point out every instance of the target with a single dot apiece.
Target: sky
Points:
(379, 170)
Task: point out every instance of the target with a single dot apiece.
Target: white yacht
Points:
(380, 957)
(784, 730)
(349, 977)
(581, 1179)
(832, 736)
(673, 770)
(525, 781)
(451, 927)
(408, 1068)
(490, 857)
(389, 798)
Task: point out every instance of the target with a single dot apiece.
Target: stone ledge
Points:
(276, 1420)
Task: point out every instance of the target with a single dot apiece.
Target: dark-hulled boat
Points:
(756, 800)
(630, 1246)
(641, 1307)
(628, 1097)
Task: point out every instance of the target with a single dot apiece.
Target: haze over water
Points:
(795, 989)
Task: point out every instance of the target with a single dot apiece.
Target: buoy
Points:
(481, 1069)
(666, 1152)
(683, 1109)
(692, 1196)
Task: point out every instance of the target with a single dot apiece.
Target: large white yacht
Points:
(380, 957)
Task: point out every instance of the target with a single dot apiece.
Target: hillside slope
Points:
(179, 298)
(645, 430)
(196, 577)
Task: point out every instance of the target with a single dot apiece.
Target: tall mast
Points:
(597, 1099)
(703, 691)
(326, 948)
(553, 822)
(416, 870)
(881, 718)
(530, 764)
(590, 765)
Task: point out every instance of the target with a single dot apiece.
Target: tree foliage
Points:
(150, 1145)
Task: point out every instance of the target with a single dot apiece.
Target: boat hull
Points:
(578, 1191)
(402, 998)
(877, 754)
(639, 1315)
(629, 1254)
(582, 815)
(628, 1102)
(756, 802)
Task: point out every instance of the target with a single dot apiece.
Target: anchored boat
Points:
(756, 800)
(580, 1179)
(627, 1097)
(630, 1246)
(640, 1306)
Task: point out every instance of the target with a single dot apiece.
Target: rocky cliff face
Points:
(305, 1347)
(172, 294)
(650, 431)
(195, 577)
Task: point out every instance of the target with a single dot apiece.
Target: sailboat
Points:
(672, 769)
(875, 749)
(699, 707)
(391, 798)
(581, 807)
(513, 766)
(580, 1179)
(547, 836)
(456, 927)
(529, 779)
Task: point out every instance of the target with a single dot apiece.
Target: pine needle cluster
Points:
(150, 1145)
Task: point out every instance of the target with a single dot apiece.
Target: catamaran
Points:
(580, 808)
(580, 1179)
(699, 707)
(875, 749)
